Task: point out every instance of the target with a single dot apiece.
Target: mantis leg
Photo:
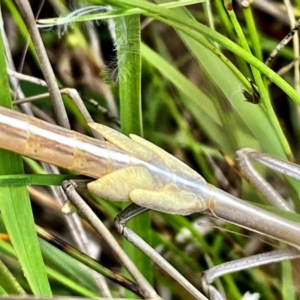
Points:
(80, 204)
(209, 276)
(229, 208)
(243, 157)
(213, 273)
(121, 220)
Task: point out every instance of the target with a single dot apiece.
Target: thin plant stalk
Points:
(129, 75)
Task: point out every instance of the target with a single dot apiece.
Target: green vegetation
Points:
(178, 73)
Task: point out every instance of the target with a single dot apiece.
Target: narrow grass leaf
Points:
(16, 208)
(128, 42)
(8, 282)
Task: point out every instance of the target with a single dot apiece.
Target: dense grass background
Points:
(176, 75)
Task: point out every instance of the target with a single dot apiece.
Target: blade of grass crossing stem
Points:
(129, 67)
(16, 209)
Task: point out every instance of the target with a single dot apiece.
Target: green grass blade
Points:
(16, 208)
(288, 290)
(195, 30)
(129, 67)
(37, 179)
(8, 282)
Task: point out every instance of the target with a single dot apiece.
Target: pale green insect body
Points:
(136, 170)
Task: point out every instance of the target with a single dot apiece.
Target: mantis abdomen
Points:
(55, 145)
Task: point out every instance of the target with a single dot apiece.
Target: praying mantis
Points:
(136, 170)
(139, 171)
